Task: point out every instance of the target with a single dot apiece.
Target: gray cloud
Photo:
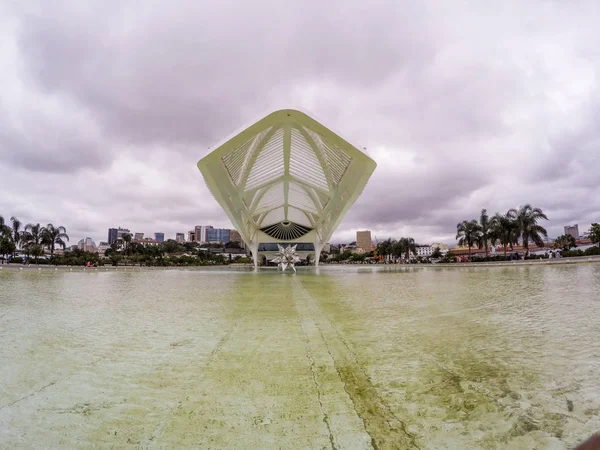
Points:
(106, 106)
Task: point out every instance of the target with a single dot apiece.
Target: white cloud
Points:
(105, 108)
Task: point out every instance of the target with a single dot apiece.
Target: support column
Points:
(318, 248)
(254, 250)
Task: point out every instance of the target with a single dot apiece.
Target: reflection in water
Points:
(495, 357)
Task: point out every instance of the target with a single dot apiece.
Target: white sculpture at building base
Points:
(286, 257)
(286, 179)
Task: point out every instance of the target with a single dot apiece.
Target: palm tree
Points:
(407, 245)
(468, 233)
(527, 218)
(6, 246)
(385, 248)
(55, 236)
(506, 229)
(34, 240)
(595, 233)
(17, 234)
(487, 230)
(5, 242)
(565, 242)
(396, 249)
(127, 243)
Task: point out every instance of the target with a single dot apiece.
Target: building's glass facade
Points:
(217, 235)
(112, 235)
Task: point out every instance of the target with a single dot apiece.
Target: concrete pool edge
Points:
(247, 268)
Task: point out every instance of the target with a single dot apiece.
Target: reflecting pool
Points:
(346, 358)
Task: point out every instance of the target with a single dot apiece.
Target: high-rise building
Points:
(573, 230)
(180, 237)
(191, 236)
(202, 233)
(112, 235)
(122, 232)
(217, 235)
(234, 236)
(160, 236)
(90, 245)
(363, 240)
(87, 245)
(139, 236)
(116, 233)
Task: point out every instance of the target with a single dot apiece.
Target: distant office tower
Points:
(363, 240)
(122, 232)
(139, 236)
(204, 232)
(116, 233)
(191, 236)
(160, 237)
(112, 235)
(90, 245)
(573, 230)
(217, 235)
(234, 236)
(201, 233)
(87, 245)
(180, 237)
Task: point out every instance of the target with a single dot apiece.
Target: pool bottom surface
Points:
(482, 358)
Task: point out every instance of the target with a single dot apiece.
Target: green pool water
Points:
(342, 358)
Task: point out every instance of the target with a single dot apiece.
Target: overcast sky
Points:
(106, 106)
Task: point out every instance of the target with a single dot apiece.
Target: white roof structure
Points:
(286, 178)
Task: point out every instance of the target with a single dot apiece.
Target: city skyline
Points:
(566, 229)
(365, 235)
(452, 129)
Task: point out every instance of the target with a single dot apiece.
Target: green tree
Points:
(34, 240)
(468, 233)
(595, 233)
(565, 242)
(126, 240)
(53, 236)
(17, 234)
(506, 229)
(172, 246)
(4, 230)
(486, 228)
(358, 257)
(191, 246)
(437, 253)
(386, 248)
(529, 229)
(406, 246)
(6, 245)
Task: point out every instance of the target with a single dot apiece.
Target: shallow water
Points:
(349, 357)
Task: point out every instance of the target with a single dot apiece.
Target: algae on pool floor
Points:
(499, 357)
